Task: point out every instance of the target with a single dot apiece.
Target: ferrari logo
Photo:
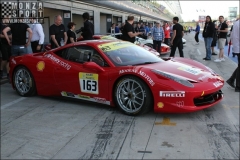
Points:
(40, 66)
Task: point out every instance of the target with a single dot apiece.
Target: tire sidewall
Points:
(32, 90)
(147, 96)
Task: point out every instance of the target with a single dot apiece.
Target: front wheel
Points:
(24, 82)
(133, 96)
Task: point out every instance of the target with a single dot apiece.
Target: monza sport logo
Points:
(20, 11)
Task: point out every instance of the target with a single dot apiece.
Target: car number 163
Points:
(88, 82)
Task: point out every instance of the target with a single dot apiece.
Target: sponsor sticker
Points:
(127, 71)
(40, 65)
(84, 97)
(177, 94)
(88, 82)
(114, 46)
(180, 104)
(58, 61)
(203, 77)
(160, 105)
(194, 71)
(143, 74)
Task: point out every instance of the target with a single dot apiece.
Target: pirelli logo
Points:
(172, 93)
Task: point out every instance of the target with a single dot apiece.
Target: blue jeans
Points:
(18, 50)
(208, 42)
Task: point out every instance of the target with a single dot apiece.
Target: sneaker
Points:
(206, 59)
(197, 43)
(214, 53)
(217, 60)
(231, 83)
(222, 59)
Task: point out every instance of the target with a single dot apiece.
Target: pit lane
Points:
(59, 128)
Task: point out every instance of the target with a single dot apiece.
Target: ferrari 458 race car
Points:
(117, 73)
(110, 37)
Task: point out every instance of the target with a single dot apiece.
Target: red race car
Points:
(109, 37)
(117, 73)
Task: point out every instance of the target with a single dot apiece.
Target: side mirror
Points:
(93, 66)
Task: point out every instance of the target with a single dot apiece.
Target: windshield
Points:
(123, 53)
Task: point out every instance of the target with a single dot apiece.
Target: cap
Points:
(158, 22)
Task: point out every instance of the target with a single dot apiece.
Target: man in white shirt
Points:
(235, 38)
(37, 37)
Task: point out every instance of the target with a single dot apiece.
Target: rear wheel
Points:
(24, 82)
(133, 96)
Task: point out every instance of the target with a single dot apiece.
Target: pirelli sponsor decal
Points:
(170, 94)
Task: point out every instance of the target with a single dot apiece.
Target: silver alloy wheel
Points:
(130, 95)
(23, 81)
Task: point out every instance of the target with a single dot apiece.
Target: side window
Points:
(62, 53)
(83, 54)
(96, 57)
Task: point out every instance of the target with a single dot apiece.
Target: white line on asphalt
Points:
(13, 102)
(199, 52)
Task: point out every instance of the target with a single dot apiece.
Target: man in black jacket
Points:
(208, 31)
(88, 29)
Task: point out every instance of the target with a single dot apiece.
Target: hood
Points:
(184, 71)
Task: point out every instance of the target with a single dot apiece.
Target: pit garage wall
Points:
(52, 8)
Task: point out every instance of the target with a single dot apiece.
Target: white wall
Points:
(103, 24)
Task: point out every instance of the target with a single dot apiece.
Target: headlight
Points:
(211, 71)
(176, 79)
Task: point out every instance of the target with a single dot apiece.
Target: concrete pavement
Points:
(57, 128)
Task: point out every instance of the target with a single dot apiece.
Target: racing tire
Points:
(149, 45)
(132, 96)
(24, 82)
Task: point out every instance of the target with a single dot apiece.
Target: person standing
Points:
(70, 33)
(176, 40)
(214, 41)
(235, 38)
(18, 44)
(128, 33)
(37, 36)
(57, 32)
(88, 27)
(121, 28)
(208, 37)
(222, 31)
(111, 30)
(157, 36)
(167, 34)
(171, 30)
(197, 31)
(138, 27)
(5, 48)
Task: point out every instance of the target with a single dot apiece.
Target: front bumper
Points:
(191, 102)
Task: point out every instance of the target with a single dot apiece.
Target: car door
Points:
(81, 81)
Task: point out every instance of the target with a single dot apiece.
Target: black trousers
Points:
(157, 45)
(196, 37)
(177, 43)
(166, 41)
(34, 47)
(236, 73)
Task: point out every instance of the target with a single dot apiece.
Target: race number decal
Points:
(88, 82)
